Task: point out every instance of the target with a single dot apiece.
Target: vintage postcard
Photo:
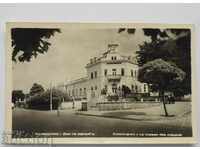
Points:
(100, 83)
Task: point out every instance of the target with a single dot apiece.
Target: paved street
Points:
(68, 121)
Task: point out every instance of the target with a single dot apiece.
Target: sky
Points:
(69, 53)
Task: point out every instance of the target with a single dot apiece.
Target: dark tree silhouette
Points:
(42, 100)
(176, 50)
(125, 90)
(29, 42)
(17, 95)
(36, 89)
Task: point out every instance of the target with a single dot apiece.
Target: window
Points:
(114, 72)
(135, 73)
(145, 88)
(84, 90)
(80, 92)
(95, 87)
(122, 71)
(131, 73)
(136, 88)
(114, 58)
(92, 92)
(95, 74)
(69, 92)
(106, 87)
(114, 88)
(91, 75)
(105, 72)
(132, 87)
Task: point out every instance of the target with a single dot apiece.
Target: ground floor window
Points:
(114, 88)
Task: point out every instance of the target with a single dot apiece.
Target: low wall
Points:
(69, 105)
(124, 105)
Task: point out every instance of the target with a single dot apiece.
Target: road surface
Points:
(68, 122)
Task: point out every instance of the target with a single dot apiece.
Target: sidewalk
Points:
(181, 114)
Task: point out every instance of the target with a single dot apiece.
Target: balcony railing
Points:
(113, 77)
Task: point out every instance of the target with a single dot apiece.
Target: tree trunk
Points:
(163, 100)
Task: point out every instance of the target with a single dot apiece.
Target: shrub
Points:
(42, 101)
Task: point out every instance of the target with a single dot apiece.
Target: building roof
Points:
(112, 49)
(77, 81)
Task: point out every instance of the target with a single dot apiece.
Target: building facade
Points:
(106, 75)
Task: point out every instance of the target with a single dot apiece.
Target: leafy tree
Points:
(36, 89)
(104, 91)
(171, 45)
(29, 42)
(125, 90)
(42, 100)
(162, 76)
(17, 95)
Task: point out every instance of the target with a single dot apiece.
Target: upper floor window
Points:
(84, 91)
(95, 74)
(114, 72)
(95, 87)
(105, 72)
(114, 57)
(122, 71)
(131, 73)
(91, 75)
(135, 73)
(80, 92)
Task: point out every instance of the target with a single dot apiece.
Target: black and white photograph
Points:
(101, 80)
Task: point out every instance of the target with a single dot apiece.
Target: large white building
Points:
(108, 72)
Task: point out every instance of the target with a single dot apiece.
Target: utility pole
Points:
(51, 95)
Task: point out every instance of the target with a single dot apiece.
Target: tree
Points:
(29, 42)
(104, 91)
(171, 45)
(125, 90)
(36, 89)
(42, 100)
(162, 76)
(17, 95)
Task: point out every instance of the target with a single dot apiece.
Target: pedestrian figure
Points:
(58, 109)
(73, 103)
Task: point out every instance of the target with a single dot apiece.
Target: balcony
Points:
(114, 77)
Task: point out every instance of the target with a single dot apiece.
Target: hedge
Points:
(42, 101)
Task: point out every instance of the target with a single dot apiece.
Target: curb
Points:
(107, 116)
